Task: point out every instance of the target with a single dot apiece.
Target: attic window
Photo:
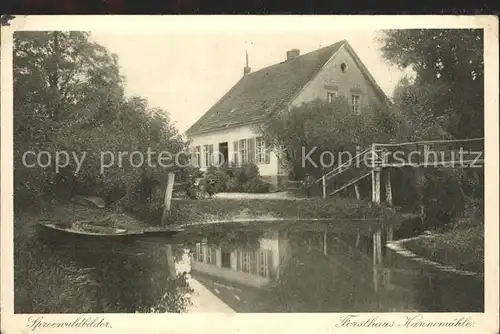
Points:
(331, 96)
(343, 67)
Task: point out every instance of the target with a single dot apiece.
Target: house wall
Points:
(270, 241)
(273, 241)
(332, 78)
(229, 136)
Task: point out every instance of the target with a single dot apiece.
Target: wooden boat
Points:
(85, 230)
(162, 231)
(87, 238)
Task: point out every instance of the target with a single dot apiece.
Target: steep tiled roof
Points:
(259, 93)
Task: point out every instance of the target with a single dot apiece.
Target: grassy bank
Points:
(209, 210)
(461, 248)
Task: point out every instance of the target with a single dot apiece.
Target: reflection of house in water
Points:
(250, 266)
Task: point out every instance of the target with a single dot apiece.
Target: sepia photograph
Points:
(191, 170)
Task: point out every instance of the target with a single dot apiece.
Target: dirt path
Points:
(278, 195)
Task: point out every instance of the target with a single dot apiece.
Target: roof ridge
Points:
(261, 92)
(299, 56)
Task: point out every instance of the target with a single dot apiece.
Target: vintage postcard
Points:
(252, 174)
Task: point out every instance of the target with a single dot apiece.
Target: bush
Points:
(189, 177)
(215, 180)
(256, 185)
(234, 187)
(246, 179)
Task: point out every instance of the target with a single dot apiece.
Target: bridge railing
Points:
(349, 169)
(343, 167)
(448, 153)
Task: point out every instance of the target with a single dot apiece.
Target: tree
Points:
(414, 119)
(69, 96)
(63, 82)
(449, 67)
(318, 127)
(443, 101)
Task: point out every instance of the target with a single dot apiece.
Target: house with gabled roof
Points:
(227, 131)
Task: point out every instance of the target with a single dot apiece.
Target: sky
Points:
(186, 72)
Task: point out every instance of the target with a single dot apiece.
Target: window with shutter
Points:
(264, 260)
(243, 151)
(247, 262)
(251, 150)
(210, 155)
(196, 156)
(261, 153)
(236, 153)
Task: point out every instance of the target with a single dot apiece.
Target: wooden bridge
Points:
(458, 153)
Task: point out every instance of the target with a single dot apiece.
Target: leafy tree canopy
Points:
(449, 83)
(69, 96)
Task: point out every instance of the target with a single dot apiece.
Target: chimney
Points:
(246, 69)
(290, 54)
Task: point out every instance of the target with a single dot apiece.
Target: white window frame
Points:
(243, 151)
(208, 152)
(199, 253)
(263, 265)
(260, 151)
(246, 264)
(356, 107)
(331, 96)
(197, 156)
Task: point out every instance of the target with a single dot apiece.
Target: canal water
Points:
(338, 266)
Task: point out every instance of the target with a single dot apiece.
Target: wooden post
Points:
(375, 271)
(374, 237)
(375, 177)
(376, 185)
(388, 256)
(323, 182)
(379, 247)
(390, 233)
(168, 197)
(419, 181)
(171, 262)
(388, 188)
(356, 189)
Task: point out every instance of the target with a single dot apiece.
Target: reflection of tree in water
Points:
(311, 282)
(439, 292)
(127, 283)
